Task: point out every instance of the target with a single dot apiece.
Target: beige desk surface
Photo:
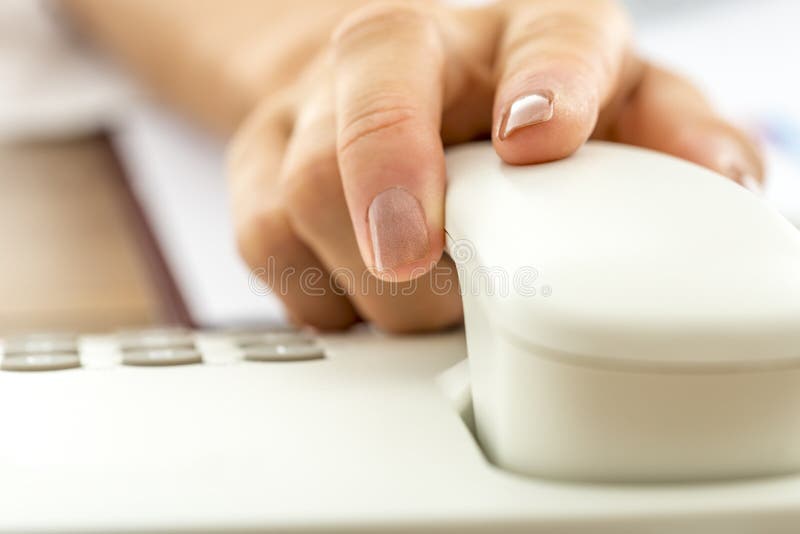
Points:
(69, 257)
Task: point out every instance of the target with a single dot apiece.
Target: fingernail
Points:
(397, 229)
(526, 110)
(738, 169)
(750, 182)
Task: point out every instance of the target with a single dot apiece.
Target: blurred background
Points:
(113, 210)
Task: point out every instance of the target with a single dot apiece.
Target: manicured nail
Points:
(397, 229)
(526, 110)
(739, 170)
(750, 182)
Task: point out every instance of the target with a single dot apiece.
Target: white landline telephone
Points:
(633, 338)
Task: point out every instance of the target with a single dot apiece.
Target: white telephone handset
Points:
(629, 316)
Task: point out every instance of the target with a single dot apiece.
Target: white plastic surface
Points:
(373, 438)
(362, 441)
(661, 340)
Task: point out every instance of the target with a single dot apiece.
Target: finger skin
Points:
(265, 237)
(558, 64)
(388, 93)
(668, 114)
(318, 211)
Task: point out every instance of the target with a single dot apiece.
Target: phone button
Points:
(40, 362)
(274, 338)
(41, 344)
(284, 353)
(161, 357)
(156, 340)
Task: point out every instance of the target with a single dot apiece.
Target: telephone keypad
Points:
(159, 347)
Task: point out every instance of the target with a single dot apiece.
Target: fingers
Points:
(558, 64)
(668, 114)
(318, 211)
(388, 89)
(265, 236)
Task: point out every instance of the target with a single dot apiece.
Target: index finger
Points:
(389, 88)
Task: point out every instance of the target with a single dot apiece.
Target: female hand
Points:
(337, 177)
(345, 172)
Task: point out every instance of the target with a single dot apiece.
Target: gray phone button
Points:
(283, 353)
(40, 362)
(274, 338)
(161, 357)
(40, 344)
(156, 340)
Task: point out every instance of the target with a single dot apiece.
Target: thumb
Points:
(559, 63)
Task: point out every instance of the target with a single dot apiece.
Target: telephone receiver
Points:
(629, 317)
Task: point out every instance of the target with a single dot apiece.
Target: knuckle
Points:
(591, 33)
(263, 233)
(378, 18)
(251, 170)
(538, 35)
(309, 189)
(386, 114)
(268, 123)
